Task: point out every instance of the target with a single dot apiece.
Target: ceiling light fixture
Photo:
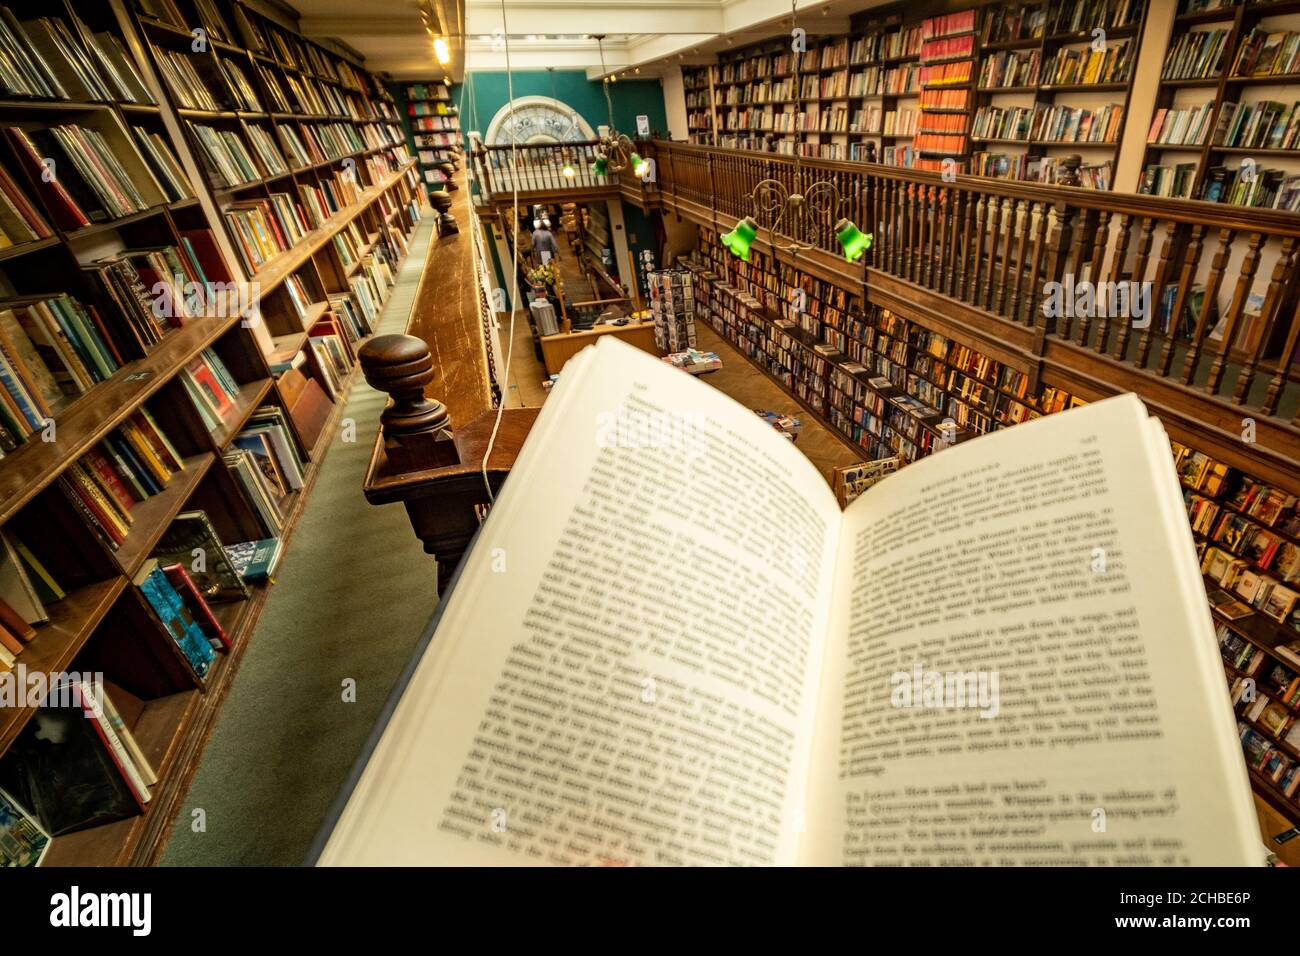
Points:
(441, 50)
(772, 199)
(615, 152)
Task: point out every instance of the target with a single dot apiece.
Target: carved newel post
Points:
(416, 429)
(446, 221)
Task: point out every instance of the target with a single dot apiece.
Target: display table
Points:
(558, 349)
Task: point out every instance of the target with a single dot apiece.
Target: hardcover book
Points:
(784, 682)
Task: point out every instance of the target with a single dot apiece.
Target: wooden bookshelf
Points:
(883, 109)
(282, 309)
(430, 101)
(1208, 165)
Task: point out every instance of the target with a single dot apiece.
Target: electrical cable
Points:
(514, 272)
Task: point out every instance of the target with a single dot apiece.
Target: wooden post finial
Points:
(448, 170)
(416, 429)
(441, 201)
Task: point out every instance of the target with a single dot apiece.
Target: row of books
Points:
(1252, 186)
(1175, 181)
(1265, 124)
(1265, 53)
(1069, 67)
(132, 464)
(897, 44)
(1010, 68)
(79, 177)
(1195, 55)
(59, 57)
(1048, 124)
(1247, 591)
(257, 34)
(266, 464)
(1181, 127)
(1040, 169)
(52, 349)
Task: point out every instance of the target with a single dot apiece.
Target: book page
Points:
(626, 671)
(1022, 667)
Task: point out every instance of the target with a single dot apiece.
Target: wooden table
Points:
(558, 349)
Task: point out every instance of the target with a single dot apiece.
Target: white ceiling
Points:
(643, 37)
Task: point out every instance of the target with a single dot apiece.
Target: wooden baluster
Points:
(1118, 256)
(1095, 265)
(877, 223)
(1191, 262)
(934, 226)
(1277, 284)
(900, 228)
(1017, 229)
(1218, 265)
(995, 237)
(943, 201)
(907, 191)
(416, 430)
(953, 259)
(1245, 280)
(1138, 274)
(1164, 267)
(1062, 236)
(1283, 369)
(979, 226)
(970, 247)
(1021, 309)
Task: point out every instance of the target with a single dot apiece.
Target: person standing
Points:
(543, 243)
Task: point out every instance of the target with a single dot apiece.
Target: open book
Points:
(669, 645)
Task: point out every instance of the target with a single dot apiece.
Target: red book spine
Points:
(203, 615)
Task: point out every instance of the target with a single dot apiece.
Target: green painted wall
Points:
(631, 97)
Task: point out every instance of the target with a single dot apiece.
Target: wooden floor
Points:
(737, 378)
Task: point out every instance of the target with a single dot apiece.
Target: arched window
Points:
(533, 120)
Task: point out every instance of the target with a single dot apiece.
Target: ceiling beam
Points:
(541, 17)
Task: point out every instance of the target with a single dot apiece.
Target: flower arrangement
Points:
(543, 275)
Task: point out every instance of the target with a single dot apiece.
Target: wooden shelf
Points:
(32, 466)
(57, 642)
(251, 395)
(152, 517)
(173, 728)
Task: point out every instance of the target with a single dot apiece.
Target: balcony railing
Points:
(538, 168)
(1180, 300)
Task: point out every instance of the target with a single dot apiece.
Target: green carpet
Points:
(354, 592)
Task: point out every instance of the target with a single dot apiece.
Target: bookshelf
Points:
(892, 388)
(885, 385)
(181, 317)
(1248, 536)
(1227, 121)
(434, 125)
(701, 121)
(1000, 89)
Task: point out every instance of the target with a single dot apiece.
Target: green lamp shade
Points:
(639, 166)
(738, 240)
(852, 240)
(600, 165)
